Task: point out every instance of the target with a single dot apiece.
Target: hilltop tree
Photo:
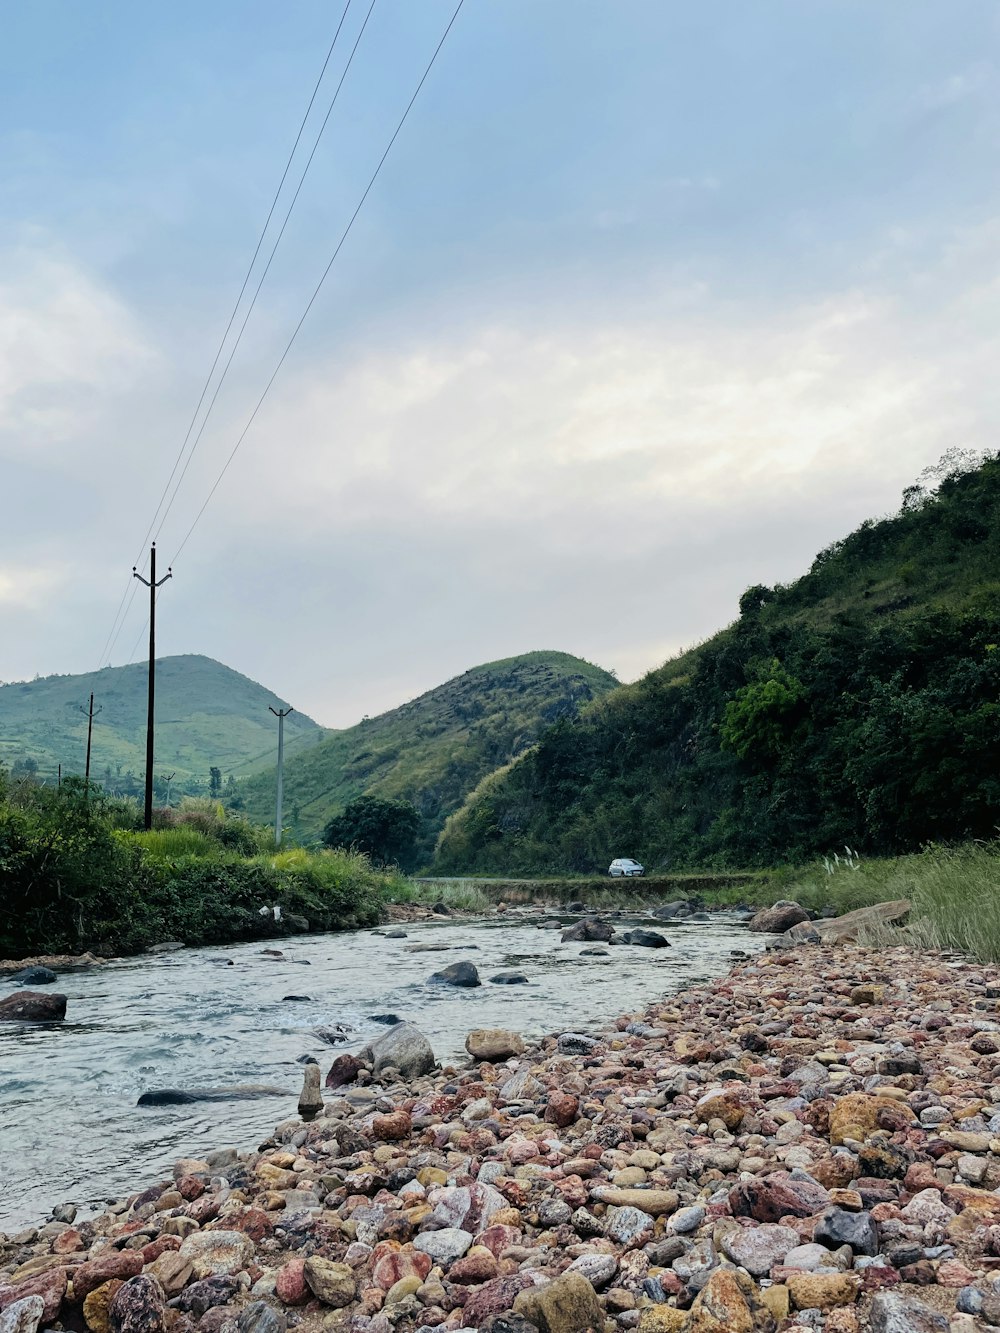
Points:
(215, 782)
(385, 830)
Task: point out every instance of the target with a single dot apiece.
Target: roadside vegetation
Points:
(76, 874)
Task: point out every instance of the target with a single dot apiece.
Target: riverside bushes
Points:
(71, 879)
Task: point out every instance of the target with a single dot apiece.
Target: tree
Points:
(384, 830)
(215, 782)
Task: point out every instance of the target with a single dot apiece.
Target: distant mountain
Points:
(206, 715)
(856, 706)
(434, 750)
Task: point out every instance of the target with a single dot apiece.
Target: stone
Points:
(837, 1227)
(214, 1252)
(855, 1116)
(122, 1264)
(687, 1219)
(721, 1307)
(662, 1319)
(493, 1044)
(729, 1106)
(774, 1197)
(894, 1313)
(445, 1245)
(808, 1257)
(590, 929)
(462, 973)
(509, 977)
(569, 1304)
(98, 1304)
(628, 1226)
(561, 1108)
(29, 1006)
(646, 939)
(290, 1282)
(493, 1299)
(311, 1096)
(343, 1071)
(758, 1249)
(576, 1043)
(598, 1269)
(137, 1306)
(22, 1316)
(261, 1318)
(822, 1291)
(403, 1047)
(782, 916)
(49, 1283)
(172, 1270)
(332, 1283)
(654, 1202)
(847, 928)
(34, 976)
(477, 1266)
(206, 1294)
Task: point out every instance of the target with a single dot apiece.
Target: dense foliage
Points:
(72, 878)
(385, 831)
(435, 749)
(860, 704)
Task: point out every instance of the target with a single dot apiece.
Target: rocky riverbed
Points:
(810, 1142)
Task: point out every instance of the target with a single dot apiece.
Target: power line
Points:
(130, 587)
(319, 285)
(267, 269)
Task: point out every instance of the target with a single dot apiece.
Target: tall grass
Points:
(167, 844)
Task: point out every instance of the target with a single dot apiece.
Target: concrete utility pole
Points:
(152, 585)
(91, 713)
(168, 778)
(280, 714)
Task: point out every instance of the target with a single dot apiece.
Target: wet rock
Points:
(567, 1305)
(647, 939)
(509, 977)
(404, 1047)
(239, 1092)
(589, 930)
(28, 1006)
(311, 1096)
(782, 916)
(458, 974)
(493, 1044)
(137, 1306)
(34, 976)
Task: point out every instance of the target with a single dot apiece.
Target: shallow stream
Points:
(70, 1129)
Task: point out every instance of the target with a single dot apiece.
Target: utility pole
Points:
(91, 714)
(152, 585)
(280, 714)
(168, 778)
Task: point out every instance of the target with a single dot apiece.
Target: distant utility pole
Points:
(280, 714)
(91, 714)
(168, 778)
(152, 585)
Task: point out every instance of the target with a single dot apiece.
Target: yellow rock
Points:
(432, 1175)
(95, 1307)
(406, 1286)
(720, 1307)
(661, 1319)
(823, 1291)
(776, 1300)
(856, 1116)
(867, 994)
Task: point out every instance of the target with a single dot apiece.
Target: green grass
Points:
(169, 843)
(435, 749)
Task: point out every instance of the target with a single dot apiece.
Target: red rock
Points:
(118, 1263)
(253, 1222)
(49, 1285)
(290, 1283)
(344, 1070)
(68, 1242)
(392, 1127)
(561, 1109)
(573, 1191)
(391, 1263)
(477, 1266)
(774, 1197)
(204, 1209)
(495, 1297)
(159, 1246)
(497, 1238)
(190, 1187)
(953, 1273)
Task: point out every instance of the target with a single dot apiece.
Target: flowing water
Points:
(70, 1129)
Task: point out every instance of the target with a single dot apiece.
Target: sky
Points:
(649, 302)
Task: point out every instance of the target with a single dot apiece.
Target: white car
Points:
(624, 865)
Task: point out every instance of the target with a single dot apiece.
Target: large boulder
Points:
(567, 1305)
(589, 929)
(782, 916)
(649, 939)
(458, 974)
(847, 929)
(30, 1006)
(34, 976)
(403, 1047)
(493, 1044)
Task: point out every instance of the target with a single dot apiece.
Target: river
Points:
(70, 1129)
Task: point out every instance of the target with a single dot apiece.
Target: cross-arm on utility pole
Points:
(152, 585)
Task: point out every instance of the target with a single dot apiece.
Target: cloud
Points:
(67, 344)
(24, 587)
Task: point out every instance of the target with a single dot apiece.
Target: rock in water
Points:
(311, 1096)
(649, 939)
(29, 1006)
(137, 1306)
(241, 1092)
(403, 1047)
(458, 974)
(34, 976)
(589, 930)
(509, 977)
(493, 1044)
(782, 916)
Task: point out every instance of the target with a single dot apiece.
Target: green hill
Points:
(433, 750)
(207, 715)
(859, 705)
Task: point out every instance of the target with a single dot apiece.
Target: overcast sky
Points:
(651, 301)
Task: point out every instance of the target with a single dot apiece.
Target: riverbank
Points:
(812, 1141)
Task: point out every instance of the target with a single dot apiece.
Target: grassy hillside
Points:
(859, 705)
(433, 750)
(206, 713)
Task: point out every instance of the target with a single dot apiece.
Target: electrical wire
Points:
(129, 592)
(319, 285)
